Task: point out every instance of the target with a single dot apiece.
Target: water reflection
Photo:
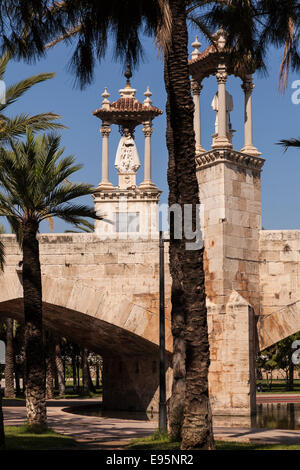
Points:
(278, 415)
(269, 415)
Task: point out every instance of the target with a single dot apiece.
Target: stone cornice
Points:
(215, 156)
(134, 194)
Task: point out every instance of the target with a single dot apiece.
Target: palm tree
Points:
(15, 127)
(34, 187)
(93, 22)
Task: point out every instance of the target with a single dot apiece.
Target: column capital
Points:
(196, 87)
(147, 129)
(105, 130)
(221, 75)
(248, 85)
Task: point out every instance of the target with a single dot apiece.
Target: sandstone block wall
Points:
(279, 269)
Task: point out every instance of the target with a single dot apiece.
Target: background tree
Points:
(34, 187)
(59, 367)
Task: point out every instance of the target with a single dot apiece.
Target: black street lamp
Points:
(162, 338)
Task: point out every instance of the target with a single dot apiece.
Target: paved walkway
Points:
(111, 433)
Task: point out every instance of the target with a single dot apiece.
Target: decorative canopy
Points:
(127, 112)
(203, 64)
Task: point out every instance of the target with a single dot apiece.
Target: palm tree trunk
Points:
(176, 401)
(2, 435)
(35, 379)
(189, 322)
(9, 365)
(50, 365)
(60, 369)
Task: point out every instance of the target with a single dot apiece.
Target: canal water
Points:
(269, 415)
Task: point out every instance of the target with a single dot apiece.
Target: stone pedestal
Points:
(140, 206)
(232, 350)
(229, 186)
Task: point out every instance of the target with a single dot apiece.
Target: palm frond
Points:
(16, 127)
(34, 184)
(286, 143)
(15, 91)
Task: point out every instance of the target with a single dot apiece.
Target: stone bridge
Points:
(102, 295)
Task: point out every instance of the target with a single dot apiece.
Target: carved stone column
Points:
(196, 90)
(105, 131)
(221, 140)
(148, 130)
(248, 87)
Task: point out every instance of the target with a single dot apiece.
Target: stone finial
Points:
(105, 102)
(196, 44)
(127, 92)
(147, 100)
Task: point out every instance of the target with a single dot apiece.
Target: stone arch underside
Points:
(279, 325)
(90, 316)
(124, 330)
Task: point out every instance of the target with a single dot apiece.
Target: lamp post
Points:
(162, 337)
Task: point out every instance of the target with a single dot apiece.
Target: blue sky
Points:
(274, 115)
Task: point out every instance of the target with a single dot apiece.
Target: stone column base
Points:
(232, 351)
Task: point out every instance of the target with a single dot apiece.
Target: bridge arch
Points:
(121, 329)
(279, 325)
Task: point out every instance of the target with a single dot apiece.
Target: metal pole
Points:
(162, 351)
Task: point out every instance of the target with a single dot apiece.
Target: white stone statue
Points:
(127, 158)
(229, 108)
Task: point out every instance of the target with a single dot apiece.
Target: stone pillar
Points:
(221, 140)
(232, 387)
(105, 131)
(248, 87)
(229, 188)
(132, 383)
(147, 183)
(196, 90)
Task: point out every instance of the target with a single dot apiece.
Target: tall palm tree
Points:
(93, 22)
(34, 186)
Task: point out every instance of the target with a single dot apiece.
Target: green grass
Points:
(159, 441)
(24, 438)
(279, 386)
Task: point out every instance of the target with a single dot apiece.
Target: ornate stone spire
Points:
(196, 44)
(105, 102)
(127, 92)
(147, 100)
